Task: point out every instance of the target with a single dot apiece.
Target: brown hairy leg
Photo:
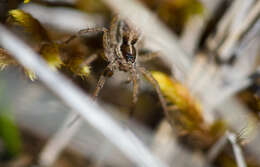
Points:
(108, 72)
(155, 84)
(85, 31)
(135, 92)
(148, 56)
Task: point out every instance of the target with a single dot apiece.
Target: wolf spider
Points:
(121, 53)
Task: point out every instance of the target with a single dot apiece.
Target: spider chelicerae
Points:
(121, 53)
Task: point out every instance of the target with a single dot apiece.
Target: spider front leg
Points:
(108, 72)
(147, 56)
(151, 79)
(135, 92)
(85, 31)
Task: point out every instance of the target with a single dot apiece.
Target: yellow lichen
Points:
(5, 59)
(30, 74)
(50, 53)
(26, 1)
(185, 111)
(78, 67)
(22, 19)
(178, 95)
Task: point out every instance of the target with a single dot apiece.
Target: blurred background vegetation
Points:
(21, 142)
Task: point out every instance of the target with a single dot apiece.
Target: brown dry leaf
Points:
(22, 19)
(179, 96)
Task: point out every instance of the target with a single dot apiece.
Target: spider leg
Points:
(85, 31)
(108, 52)
(106, 38)
(116, 35)
(135, 92)
(147, 56)
(115, 29)
(99, 86)
(108, 72)
(151, 79)
(90, 59)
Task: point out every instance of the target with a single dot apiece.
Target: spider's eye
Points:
(134, 41)
(130, 57)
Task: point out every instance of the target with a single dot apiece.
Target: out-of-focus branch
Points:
(231, 18)
(192, 33)
(197, 24)
(227, 47)
(79, 102)
(59, 141)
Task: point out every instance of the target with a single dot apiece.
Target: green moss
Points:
(9, 133)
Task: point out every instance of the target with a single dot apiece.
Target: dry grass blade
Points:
(227, 47)
(58, 142)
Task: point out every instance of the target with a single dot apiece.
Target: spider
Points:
(121, 53)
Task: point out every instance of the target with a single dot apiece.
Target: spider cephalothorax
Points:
(122, 40)
(121, 52)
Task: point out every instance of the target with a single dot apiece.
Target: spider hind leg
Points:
(135, 93)
(155, 84)
(108, 72)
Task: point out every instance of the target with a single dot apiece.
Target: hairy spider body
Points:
(121, 53)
